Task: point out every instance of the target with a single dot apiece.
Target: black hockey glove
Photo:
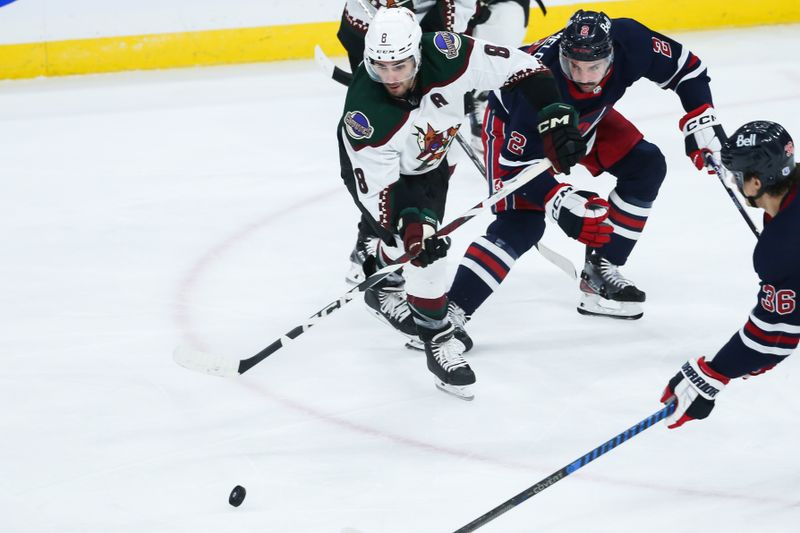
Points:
(417, 228)
(563, 144)
(694, 388)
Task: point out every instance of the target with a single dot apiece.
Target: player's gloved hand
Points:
(563, 144)
(417, 228)
(703, 136)
(581, 214)
(694, 388)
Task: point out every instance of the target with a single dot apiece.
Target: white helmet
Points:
(394, 34)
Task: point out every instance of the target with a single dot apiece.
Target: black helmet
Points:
(761, 148)
(587, 36)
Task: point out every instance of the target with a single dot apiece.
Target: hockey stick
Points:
(557, 476)
(342, 76)
(718, 169)
(225, 366)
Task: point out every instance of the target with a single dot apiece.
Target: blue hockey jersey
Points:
(639, 52)
(772, 330)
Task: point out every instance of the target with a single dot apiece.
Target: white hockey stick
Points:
(342, 76)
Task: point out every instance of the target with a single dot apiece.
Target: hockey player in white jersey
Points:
(402, 111)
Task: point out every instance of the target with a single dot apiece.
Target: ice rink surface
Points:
(141, 211)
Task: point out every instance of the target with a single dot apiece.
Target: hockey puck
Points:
(237, 496)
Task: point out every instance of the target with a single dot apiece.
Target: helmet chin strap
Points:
(751, 200)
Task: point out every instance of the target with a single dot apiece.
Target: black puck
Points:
(237, 496)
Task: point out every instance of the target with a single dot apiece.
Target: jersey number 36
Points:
(781, 301)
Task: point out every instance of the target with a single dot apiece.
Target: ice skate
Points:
(606, 292)
(386, 300)
(364, 247)
(459, 320)
(444, 355)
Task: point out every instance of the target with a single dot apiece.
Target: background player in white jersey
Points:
(402, 111)
(761, 157)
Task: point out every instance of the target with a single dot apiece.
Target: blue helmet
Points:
(587, 36)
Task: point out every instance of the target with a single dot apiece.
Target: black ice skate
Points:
(606, 292)
(386, 300)
(459, 320)
(444, 355)
(364, 247)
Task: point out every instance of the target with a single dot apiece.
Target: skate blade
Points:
(415, 344)
(595, 305)
(462, 392)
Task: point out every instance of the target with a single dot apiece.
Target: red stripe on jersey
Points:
(498, 269)
(618, 216)
(783, 339)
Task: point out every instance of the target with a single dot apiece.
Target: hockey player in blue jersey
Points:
(761, 157)
(594, 59)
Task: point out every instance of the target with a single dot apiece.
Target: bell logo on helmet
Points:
(749, 140)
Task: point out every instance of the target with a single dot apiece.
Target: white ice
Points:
(141, 211)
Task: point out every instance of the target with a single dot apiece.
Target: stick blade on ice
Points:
(206, 363)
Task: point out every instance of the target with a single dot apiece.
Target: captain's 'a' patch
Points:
(357, 125)
(447, 43)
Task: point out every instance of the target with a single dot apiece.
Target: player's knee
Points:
(517, 231)
(642, 172)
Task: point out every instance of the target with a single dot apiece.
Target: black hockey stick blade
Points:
(718, 170)
(337, 74)
(579, 463)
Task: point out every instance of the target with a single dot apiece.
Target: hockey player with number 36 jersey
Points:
(401, 114)
(595, 60)
(761, 157)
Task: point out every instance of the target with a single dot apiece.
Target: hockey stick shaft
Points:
(224, 366)
(579, 463)
(749, 221)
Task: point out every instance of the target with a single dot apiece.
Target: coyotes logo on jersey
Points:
(433, 145)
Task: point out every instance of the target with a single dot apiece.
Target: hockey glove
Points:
(563, 144)
(417, 228)
(581, 214)
(694, 388)
(703, 136)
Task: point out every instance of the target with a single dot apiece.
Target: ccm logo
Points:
(703, 120)
(553, 123)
